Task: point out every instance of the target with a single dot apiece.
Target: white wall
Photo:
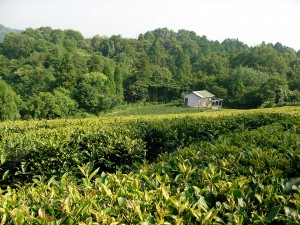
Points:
(192, 100)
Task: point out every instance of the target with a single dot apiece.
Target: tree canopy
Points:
(52, 73)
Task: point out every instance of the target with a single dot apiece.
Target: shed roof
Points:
(204, 94)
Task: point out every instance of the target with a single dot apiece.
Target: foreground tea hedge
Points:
(238, 169)
(52, 148)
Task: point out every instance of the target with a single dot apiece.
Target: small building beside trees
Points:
(202, 99)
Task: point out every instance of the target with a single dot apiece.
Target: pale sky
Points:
(251, 21)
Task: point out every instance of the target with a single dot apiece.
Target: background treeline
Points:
(4, 30)
(52, 73)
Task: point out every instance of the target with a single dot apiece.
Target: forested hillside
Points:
(4, 30)
(51, 73)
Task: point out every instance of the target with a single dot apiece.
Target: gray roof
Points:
(203, 94)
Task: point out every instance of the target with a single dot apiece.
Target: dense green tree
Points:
(33, 79)
(212, 84)
(46, 32)
(184, 68)
(73, 39)
(95, 63)
(242, 78)
(215, 64)
(57, 36)
(294, 75)
(110, 82)
(138, 92)
(243, 83)
(157, 53)
(118, 78)
(9, 102)
(265, 58)
(66, 76)
(93, 94)
(160, 85)
(107, 48)
(273, 91)
(143, 67)
(49, 105)
(54, 57)
(96, 43)
(18, 45)
(294, 96)
(5, 30)
(45, 64)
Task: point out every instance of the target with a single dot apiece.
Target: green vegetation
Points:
(50, 69)
(4, 30)
(9, 102)
(142, 162)
(212, 167)
(138, 109)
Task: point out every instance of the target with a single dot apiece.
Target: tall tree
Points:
(18, 45)
(119, 82)
(9, 102)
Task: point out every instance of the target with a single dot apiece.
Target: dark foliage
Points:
(94, 75)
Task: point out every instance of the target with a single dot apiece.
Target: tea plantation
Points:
(213, 167)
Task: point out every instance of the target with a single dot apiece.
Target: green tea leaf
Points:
(273, 213)
(237, 194)
(292, 223)
(5, 175)
(107, 190)
(19, 218)
(51, 180)
(94, 173)
(121, 201)
(165, 193)
(2, 158)
(207, 216)
(3, 220)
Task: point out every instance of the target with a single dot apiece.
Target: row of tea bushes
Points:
(248, 177)
(54, 151)
(48, 148)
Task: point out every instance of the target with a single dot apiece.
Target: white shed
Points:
(202, 99)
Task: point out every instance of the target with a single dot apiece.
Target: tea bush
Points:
(227, 168)
(45, 148)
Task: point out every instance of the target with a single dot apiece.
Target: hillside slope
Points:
(4, 30)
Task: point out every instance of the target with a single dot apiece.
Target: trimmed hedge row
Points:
(249, 177)
(47, 149)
